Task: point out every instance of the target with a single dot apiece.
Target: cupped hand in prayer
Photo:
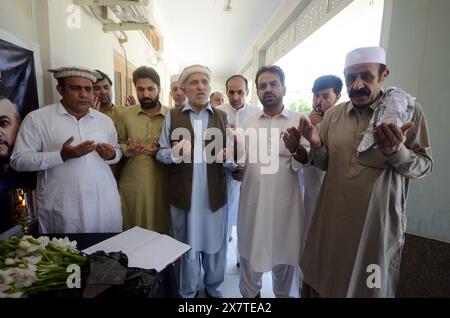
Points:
(389, 138)
(106, 151)
(70, 152)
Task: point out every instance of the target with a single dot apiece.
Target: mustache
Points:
(360, 92)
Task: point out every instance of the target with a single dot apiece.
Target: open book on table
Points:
(144, 248)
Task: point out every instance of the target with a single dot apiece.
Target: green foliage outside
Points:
(300, 106)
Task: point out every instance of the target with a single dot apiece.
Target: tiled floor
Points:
(230, 287)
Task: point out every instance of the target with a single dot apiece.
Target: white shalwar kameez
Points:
(78, 195)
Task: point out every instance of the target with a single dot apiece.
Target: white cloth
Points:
(271, 212)
(396, 107)
(237, 118)
(79, 195)
(286, 281)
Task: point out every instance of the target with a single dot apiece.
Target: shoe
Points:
(238, 264)
(258, 295)
(208, 295)
(196, 294)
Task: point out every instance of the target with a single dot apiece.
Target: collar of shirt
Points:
(284, 113)
(61, 110)
(161, 111)
(188, 107)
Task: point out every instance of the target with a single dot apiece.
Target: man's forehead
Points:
(7, 108)
(145, 82)
(174, 85)
(327, 90)
(76, 80)
(268, 77)
(102, 82)
(197, 76)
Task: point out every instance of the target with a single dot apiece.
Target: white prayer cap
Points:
(196, 68)
(364, 55)
(75, 71)
(174, 78)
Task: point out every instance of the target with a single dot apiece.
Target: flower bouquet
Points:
(29, 265)
(41, 267)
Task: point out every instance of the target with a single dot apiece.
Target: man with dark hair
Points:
(270, 218)
(357, 232)
(238, 111)
(327, 91)
(70, 145)
(103, 94)
(143, 182)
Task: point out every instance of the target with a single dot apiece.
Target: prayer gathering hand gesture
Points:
(307, 130)
(106, 151)
(69, 152)
(389, 138)
(152, 150)
(134, 149)
(291, 138)
(181, 149)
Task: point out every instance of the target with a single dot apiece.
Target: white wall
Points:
(44, 22)
(417, 38)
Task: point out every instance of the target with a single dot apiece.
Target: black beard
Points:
(148, 103)
(277, 101)
(4, 160)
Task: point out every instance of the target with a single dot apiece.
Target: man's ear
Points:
(385, 75)
(60, 89)
(337, 98)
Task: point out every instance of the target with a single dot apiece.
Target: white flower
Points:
(25, 277)
(6, 278)
(24, 245)
(9, 261)
(43, 241)
(15, 295)
(65, 243)
(33, 259)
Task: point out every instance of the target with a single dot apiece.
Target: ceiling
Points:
(201, 32)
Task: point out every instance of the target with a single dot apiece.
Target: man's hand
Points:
(70, 152)
(224, 154)
(181, 149)
(134, 149)
(315, 118)
(389, 138)
(291, 138)
(152, 150)
(307, 130)
(96, 103)
(106, 151)
(238, 173)
(130, 101)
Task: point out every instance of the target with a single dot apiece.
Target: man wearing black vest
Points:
(197, 183)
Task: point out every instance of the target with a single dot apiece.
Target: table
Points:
(167, 287)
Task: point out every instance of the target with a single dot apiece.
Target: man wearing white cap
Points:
(70, 145)
(356, 236)
(197, 186)
(176, 91)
